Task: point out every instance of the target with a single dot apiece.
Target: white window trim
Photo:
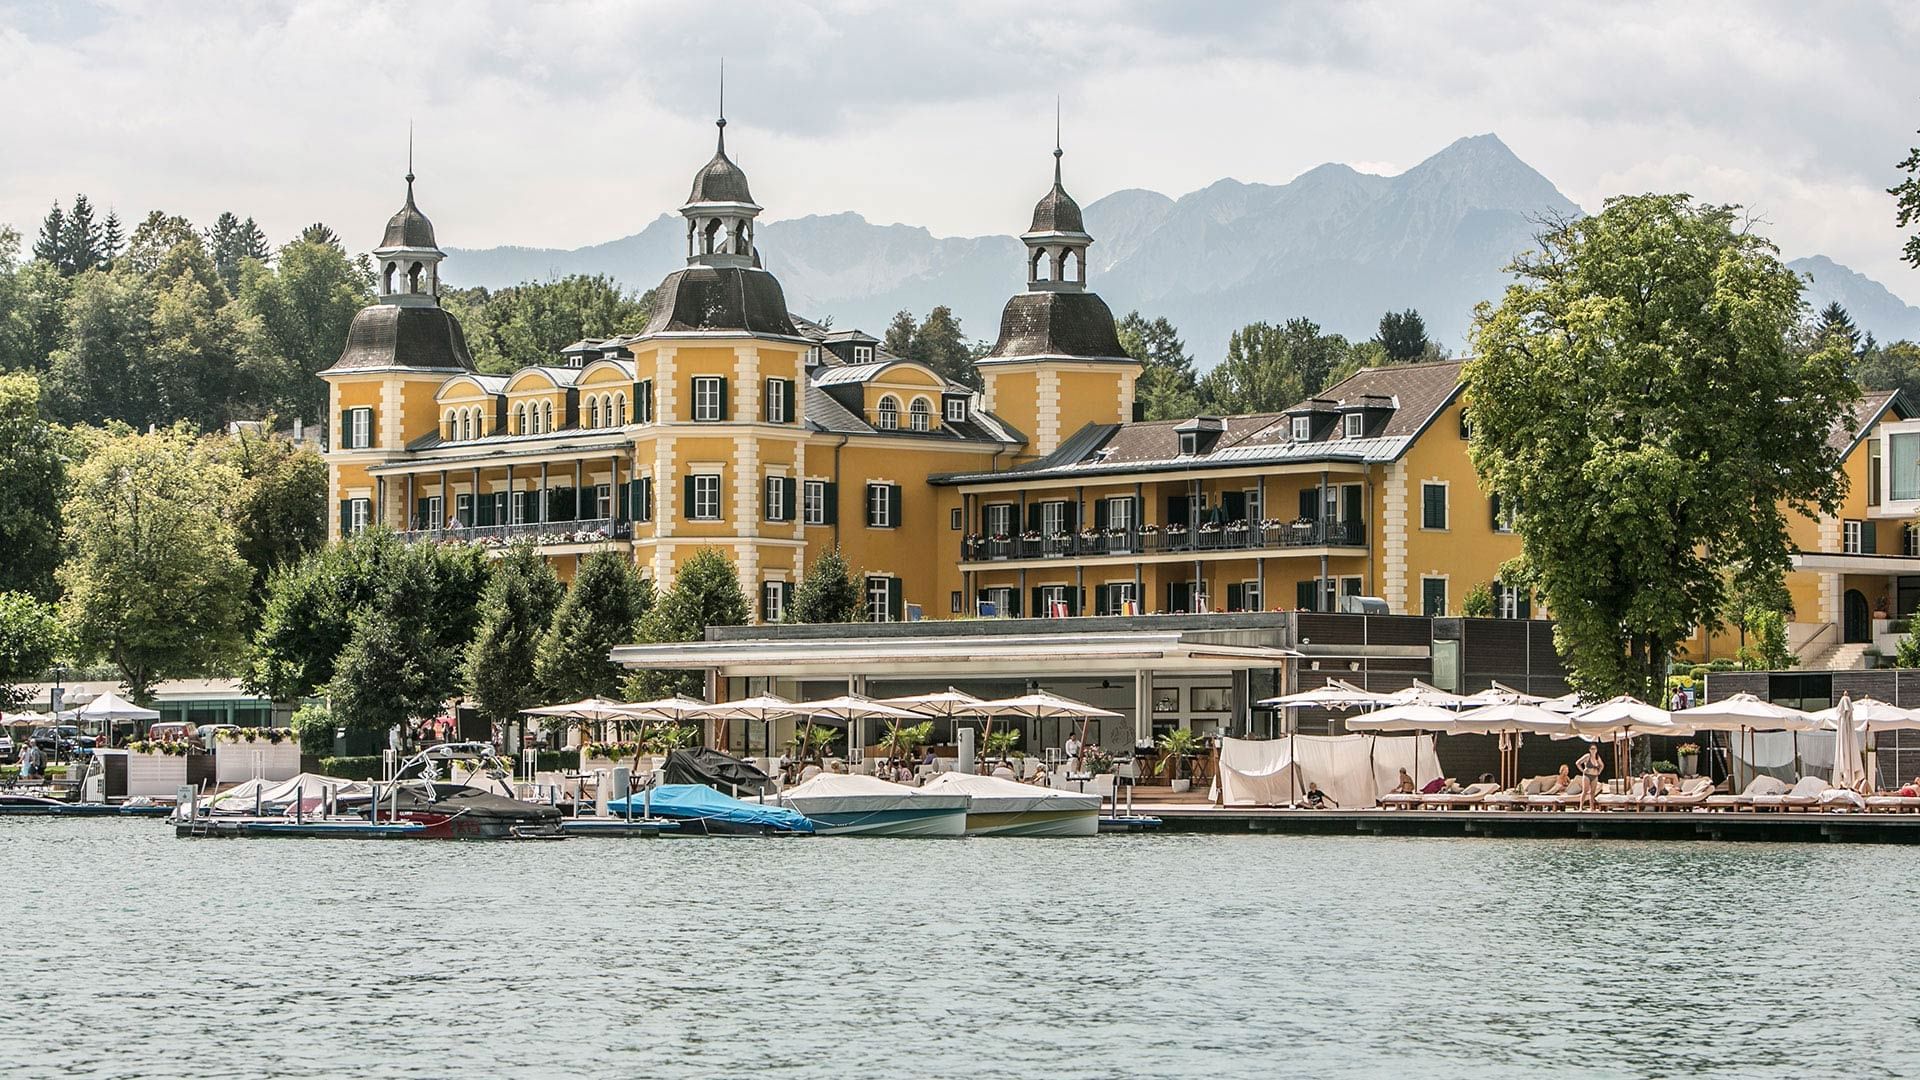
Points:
(702, 481)
(772, 593)
(886, 413)
(1353, 425)
(1446, 505)
(1850, 536)
(920, 414)
(1119, 507)
(1251, 588)
(956, 410)
(362, 428)
(706, 399)
(778, 409)
(778, 496)
(359, 515)
(813, 502)
(1302, 429)
(884, 612)
(863, 354)
(879, 507)
(1053, 518)
(1446, 592)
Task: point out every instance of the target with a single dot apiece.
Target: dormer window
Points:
(1353, 425)
(1303, 429)
(863, 354)
(956, 410)
(887, 416)
(1189, 443)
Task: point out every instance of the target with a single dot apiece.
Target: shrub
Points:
(362, 767)
(315, 726)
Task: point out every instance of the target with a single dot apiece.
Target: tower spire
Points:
(409, 160)
(722, 122)
(1057, 152)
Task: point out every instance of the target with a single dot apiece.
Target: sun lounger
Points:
(1400, 802)
(1471, 797)
(1693, 793)
(1840, 800)
(1804, 795)
(1892, 804)
(1760, 785)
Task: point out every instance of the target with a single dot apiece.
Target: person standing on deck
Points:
(1591, 765)
(1072, 750)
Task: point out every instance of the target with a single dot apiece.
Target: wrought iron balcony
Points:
(1174, 540)
(540, 533)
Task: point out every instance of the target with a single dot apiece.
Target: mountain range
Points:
(1336, 245)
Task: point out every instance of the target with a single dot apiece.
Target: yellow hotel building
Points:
(727, 421)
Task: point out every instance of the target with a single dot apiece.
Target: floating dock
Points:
(1771, 826)
(613, 826)
(338, 830)
(59, 809)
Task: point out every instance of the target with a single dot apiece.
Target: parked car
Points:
(9, 753)
(171, 731)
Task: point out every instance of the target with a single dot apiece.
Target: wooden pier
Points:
(1770, 826)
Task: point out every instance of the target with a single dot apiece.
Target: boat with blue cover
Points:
(701, 811)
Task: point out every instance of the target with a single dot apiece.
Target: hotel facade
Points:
(727, 421)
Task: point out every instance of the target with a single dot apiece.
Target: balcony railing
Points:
(1167, 541)
(541, 533)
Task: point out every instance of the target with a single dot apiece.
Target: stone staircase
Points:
(1837, 658)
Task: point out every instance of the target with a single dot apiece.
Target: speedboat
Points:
(699, 810)
(846, 805)
(1001, 807)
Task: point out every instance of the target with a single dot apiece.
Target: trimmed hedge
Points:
(367, 767)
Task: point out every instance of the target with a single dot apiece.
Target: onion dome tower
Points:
(407, 328)
(723, 287)
(1058, 364)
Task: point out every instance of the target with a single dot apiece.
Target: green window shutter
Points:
(1869, 538)
(346, 517)
(686, 498)
(1304, 595)
(483, 510)
(1493, 510)
(893, 506)
(1525, 610)
(725, 411)
(793, 400)
(1236, 597)
(1039, 608)
(1100, 514)
(896, 600)
(830, 502)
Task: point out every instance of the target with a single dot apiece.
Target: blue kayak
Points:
(701, 810)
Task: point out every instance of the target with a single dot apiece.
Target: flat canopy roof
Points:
(1025, 654)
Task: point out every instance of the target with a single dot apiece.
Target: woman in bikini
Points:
(1591, 765)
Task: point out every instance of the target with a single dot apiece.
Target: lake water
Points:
(1139, 956)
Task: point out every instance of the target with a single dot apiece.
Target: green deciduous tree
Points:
(153, 584)
(1891, 367)
(279, 508)
(526, 324)
(827, 593)
(1269, 368)
(898, 339)
(1639, 393)
(32, 485)
(706, 592)
(939, 344)
(32, 307)
(303, 306)
(603, 607)
(30, 638)
(1167, 388)
(515, 610)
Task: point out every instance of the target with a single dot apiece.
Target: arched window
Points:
(546, 416)
(620, 410)
(413, 277)
(888, 416)
(920, 414)
(1037, 265)
(386, 278)
(452, 431)
(1075, 268)
(593, 412)
(520, 418)
(466, 425)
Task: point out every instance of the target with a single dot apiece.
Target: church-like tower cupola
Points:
(408, 259)
(720, 212)
(1057, 241)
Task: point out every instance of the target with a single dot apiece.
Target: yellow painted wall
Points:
(1469, 551)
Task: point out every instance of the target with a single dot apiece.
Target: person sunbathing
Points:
(1561, 781)
(1405, 786)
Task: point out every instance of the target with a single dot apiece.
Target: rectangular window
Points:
(1873, 472)
(358, 512)
(956, 410)
(463, 510)
(1353, 425)
(954, 519)
(779, 499)
(883, 506)
(436, 509)
(1903, 466)
(1433, 596)
(863, 354)
(1302, 428)
(813, 495)
(360, 429)
(779, 401)
(953, 602)
(643, 401)
(1120, 513)
(1189, 444)
(1433, 506)
(1000, 602)
(603, 501)
(1051, 602)
(1910, 540)
(1114, 596)
(1502, 511)
(1053, 518)
(1000, 520)
(706, 498)
(773, 601)
(709, 398)
(880, 596)
(1850, 537)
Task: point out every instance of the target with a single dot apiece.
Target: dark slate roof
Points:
(720, 180)
(1866, 412)
(1418, 391)
(395, 335)
(1057, 212)
(409, 227)
(828, 414)
(1070, 324)
(710, 298)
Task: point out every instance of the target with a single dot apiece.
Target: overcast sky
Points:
(563, 124)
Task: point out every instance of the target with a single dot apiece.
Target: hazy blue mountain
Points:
(1336, 245)
(1871, 305)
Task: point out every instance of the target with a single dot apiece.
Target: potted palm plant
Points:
(999, 744)
(1689, 754)
(1175, 747)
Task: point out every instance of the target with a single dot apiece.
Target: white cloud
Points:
(565, 124)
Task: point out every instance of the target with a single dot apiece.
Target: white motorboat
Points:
(846, 805)
(1002, 807)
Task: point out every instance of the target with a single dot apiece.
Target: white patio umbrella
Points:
(852, 708)
(1745, 713)
(1044, 706)
(1511, 720)
(1336, 695)
(1871, 714)
(1849, 749)
(761, 708)
(591, 710)
(945, 704)
(1417, 718)
(1421, 693)
(1565, 703)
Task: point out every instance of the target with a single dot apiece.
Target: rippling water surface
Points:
(140, 954)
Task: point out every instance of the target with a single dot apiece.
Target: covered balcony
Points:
(1177, 539)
